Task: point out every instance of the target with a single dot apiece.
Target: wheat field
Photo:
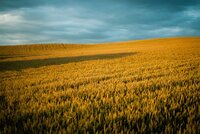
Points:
(144, 86)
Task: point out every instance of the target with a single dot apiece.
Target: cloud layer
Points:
(92, 21)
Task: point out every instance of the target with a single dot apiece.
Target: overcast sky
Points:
(94, 21)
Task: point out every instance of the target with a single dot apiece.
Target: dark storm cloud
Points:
(170, 4)
(174, 5)
(91, 21)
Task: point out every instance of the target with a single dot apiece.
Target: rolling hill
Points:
(135, 86)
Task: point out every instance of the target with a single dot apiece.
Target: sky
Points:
(96, 21)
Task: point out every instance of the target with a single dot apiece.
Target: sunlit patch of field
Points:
(136, 86)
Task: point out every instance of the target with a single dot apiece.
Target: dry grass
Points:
(137, 86)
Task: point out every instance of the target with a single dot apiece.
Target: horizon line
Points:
(145, 39)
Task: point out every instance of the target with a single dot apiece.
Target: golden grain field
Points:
(145, 86)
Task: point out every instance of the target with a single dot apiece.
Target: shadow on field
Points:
(3, 57)
(18, 65)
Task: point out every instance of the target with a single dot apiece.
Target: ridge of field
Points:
(37, 51)
(145, 86)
